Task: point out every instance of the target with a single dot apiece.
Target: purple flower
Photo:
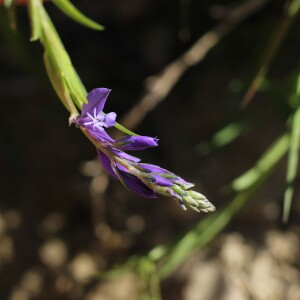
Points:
(93, 119)
(146, 180)
(149, 180)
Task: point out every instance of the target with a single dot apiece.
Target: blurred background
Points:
(62, 220)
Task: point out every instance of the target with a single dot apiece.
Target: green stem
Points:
(123, 129)
(293, 159)
(207, 229)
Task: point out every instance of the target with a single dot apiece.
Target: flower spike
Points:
(147, 180)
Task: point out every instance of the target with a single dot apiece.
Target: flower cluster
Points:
(144, 179)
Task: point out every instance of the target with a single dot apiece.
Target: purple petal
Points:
(153, 168)
(121, 168)
(136, 185)
(110, 119)
(96, 99)
(106, 163)
(99, 136)
(159, 180)
(165, 174)
(132, 142)
(125, 155)
(80, 121)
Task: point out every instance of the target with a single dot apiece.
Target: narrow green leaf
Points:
(170, 256)
(221, 138)
(70, 10)
(77, 90)
(61, 72)
(249, 178)
(54, 79)
(149, 287)
(290, 12)
(227, 134)
(33, 8)
(61, 60)
(293, 8)
(207, 229)
(59, 85)
(293, 159)
(123, 129)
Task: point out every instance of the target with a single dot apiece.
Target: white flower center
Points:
(96, 120)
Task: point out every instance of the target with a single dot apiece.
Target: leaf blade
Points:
(33, 8)
(71, 11)
(293, 160)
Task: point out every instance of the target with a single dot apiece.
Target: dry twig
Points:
(159, 86)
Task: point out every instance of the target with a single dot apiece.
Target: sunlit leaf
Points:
(59, 85)
(61, 60)
(70, 10)
(33, 7)
(55, 79)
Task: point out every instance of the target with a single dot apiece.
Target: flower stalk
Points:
(144, 179)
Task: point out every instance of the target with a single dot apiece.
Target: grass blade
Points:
(170, 256)
(293, 159)
(149, 287)
(249, 178)
(207, 229)
(273, 45)
(123, 129)
(71, 11)
(221, 138)
(60, 60)
(33, 8)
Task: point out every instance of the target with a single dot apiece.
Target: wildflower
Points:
(144, 179)
(93, 119)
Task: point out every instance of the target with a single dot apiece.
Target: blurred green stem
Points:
(149, 287)
(207, 229)
(221, 138)
(169, 257)
(290, 12)
(293, 158)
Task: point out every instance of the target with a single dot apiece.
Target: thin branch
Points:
(272, 47)
(160, 85)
